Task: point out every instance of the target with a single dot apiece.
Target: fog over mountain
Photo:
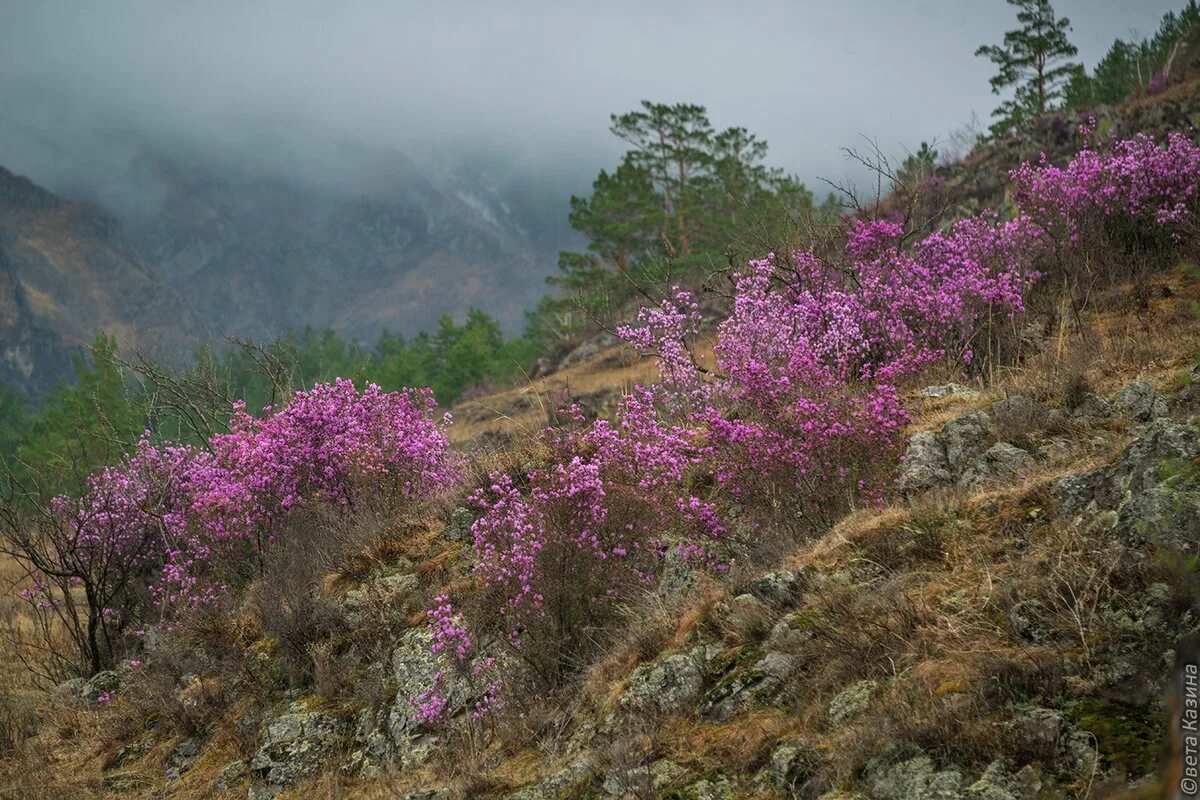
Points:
(377, 164)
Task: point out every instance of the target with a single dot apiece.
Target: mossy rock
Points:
(1128, 739)
(806, 620)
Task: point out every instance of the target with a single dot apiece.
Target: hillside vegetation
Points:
(902, 508)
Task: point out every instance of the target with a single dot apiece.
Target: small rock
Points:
(100, 685)
(1017, 412)
(945, 390)
(1001, 461)
(1140, 402)
(230, 776)
(294, 745)
(747, 615)
(965, 438)
(458, 529)
(925, 464)
(638, 782)
(850, 702)
(70, 689)
(669, 684)
(792, 764)
(1091, 405)
(555, 786)
(914, 779)
(776, 588)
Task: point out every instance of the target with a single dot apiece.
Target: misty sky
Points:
(534, 80)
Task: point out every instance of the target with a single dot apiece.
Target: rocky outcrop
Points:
(293, 745)
(1151, 493)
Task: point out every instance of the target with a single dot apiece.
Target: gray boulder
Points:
(1140, 402)
(670, 684)
(99, 685)
(1017, 412)
(776, 588)
(558, 784)
(966, 437)
(850, 703)
(230, 776)
(925, 465)
(1001, 461)
(293, 746)
(946, 390)
(792, 764)
(633, 783)
(458, 529)
(913, 779)
(1149, 494)
(415, 668)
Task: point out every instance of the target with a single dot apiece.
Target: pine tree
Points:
(1035, 60)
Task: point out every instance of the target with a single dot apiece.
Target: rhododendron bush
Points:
(803, 402)
(579, 534)
(800, 412)
(1115, 200)
(164, 525)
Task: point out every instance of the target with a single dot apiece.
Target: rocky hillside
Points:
(67, 271)
(1003, 630)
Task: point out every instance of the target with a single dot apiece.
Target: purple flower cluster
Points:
(1130, 178)
(174, 511)
(601, 516)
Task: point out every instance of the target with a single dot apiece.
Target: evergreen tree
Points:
(1034, 60)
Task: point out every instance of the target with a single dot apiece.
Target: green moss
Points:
(1127, 738)
(806, 620)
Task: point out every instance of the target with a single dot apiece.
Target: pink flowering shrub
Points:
(803, 401)
(1132, 200)
(471, 673)
(558, 550)
(163, 528)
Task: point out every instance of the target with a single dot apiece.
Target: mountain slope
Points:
(389, 244)
(67, 271)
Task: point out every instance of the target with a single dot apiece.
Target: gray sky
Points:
(535, 79)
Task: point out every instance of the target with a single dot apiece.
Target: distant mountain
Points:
(67, 271)
(166, 251)
(389, 244)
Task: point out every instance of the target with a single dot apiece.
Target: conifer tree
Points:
(1034, 60)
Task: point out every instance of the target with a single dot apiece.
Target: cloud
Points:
(278, 84)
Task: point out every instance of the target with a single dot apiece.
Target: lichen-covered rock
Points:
(964, 438)
(1140, 402)
(746, 614)
(415, 668)
(776, 588)
(669, 684)
(293, 745)
(384, 591)
(850, 702)
(1001, 461)
(100, 685)
(913, 779)
(1151, 493)
(184, 755)
(792, 764)
(1092, 405)
(230, 776)
(1017, 412)
(70, 690)
(458, 529)
(560, 784)
(946, 390)
(924, 465)
(717, 788)
(997, 783)
(637, 782)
